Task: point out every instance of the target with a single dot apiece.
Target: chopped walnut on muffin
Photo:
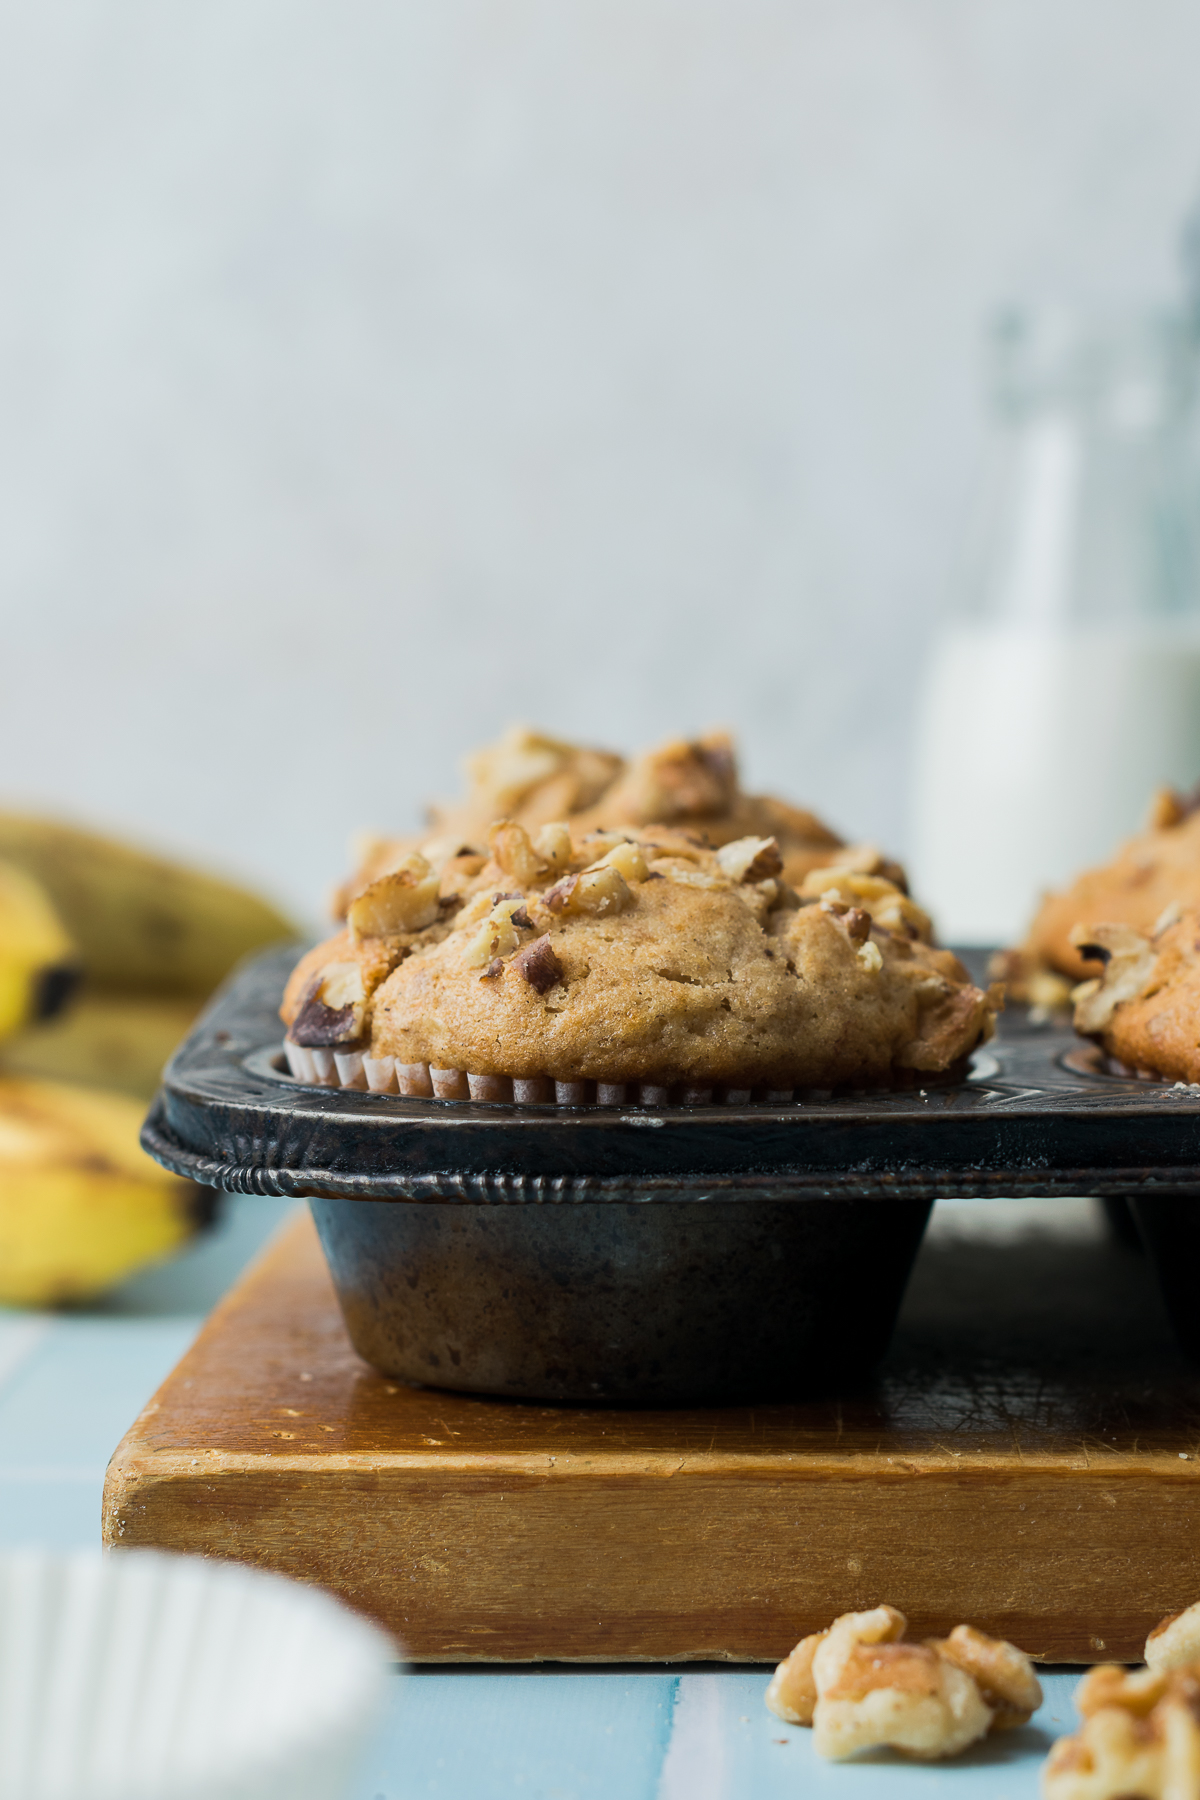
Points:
(1158, 868)
(687, 784)
(861, 1686)
(1145, 1007)
(644, 957)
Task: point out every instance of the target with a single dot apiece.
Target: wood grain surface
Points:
(1027, 1460)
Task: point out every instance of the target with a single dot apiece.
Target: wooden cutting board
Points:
(1028, 1460)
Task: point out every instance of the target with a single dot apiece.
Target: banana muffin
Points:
(1152, 871)
(584, 965)
(691, 785)
(1144, 1009)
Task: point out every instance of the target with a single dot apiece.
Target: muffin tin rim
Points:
(1037, 1129)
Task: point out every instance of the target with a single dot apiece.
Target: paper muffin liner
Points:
(422, 1081)
(142, 1676)
(1114, 1066)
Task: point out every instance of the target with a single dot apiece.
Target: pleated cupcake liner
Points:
(1113, 1066)
(143, 1676)
(354, 1069)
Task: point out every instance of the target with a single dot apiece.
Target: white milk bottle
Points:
(1064, 686)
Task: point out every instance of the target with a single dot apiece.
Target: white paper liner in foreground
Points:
(142, 1676)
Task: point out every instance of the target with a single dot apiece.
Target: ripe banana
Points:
(81, 1204)
(140, 922)
(38, 965)
(106, 1040)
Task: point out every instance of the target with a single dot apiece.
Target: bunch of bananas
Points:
(105, 957)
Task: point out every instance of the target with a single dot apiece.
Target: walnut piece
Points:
(558, 898)
(333, 1009)
(1175, 1640)
(496, 936)
(1168, 808)
(750, 859)
(518, 915)
(539, 965)
(792, 1692)
(874, 1690)
(505, 772)
(1003, 1674)
(510, 844)
(553, 845)
(628, 860)
(679, 780)
(861, 1686)
(857, 924)
(596, 891)
(868, 859)
(887, 904)
(1130, 961)
(1140, 1738)
(404, 899)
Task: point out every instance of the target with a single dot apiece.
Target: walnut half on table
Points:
(1140, 1738)
(862, 1687)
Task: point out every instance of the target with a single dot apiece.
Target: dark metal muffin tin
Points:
(643, 1255)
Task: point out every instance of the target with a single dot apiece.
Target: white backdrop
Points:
(375, 373)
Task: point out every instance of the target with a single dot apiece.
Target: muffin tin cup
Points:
(1170, 1233)
(650, 1252)
(700, 1303)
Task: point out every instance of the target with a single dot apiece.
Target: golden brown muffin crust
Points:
(689, 784)
(647, 956)
(1145, 1008)
(1159, 866)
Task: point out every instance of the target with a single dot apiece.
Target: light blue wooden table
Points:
(69, 1387)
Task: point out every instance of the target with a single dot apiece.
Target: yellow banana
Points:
(106, 1040)
(139, 921)
(38, 965)
(81, 1204)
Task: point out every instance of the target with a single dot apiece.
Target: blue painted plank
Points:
(54, 1510)
(71, 1384)
(726, 1746)
(466, 1734)
(70, 1403)
(63, 1410)
(469, 1734)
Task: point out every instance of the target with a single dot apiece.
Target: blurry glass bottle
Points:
(1064, 687)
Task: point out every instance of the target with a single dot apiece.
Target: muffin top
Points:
(686, 784)
(1158, 867)
(1143, 1008)
(639, 955)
